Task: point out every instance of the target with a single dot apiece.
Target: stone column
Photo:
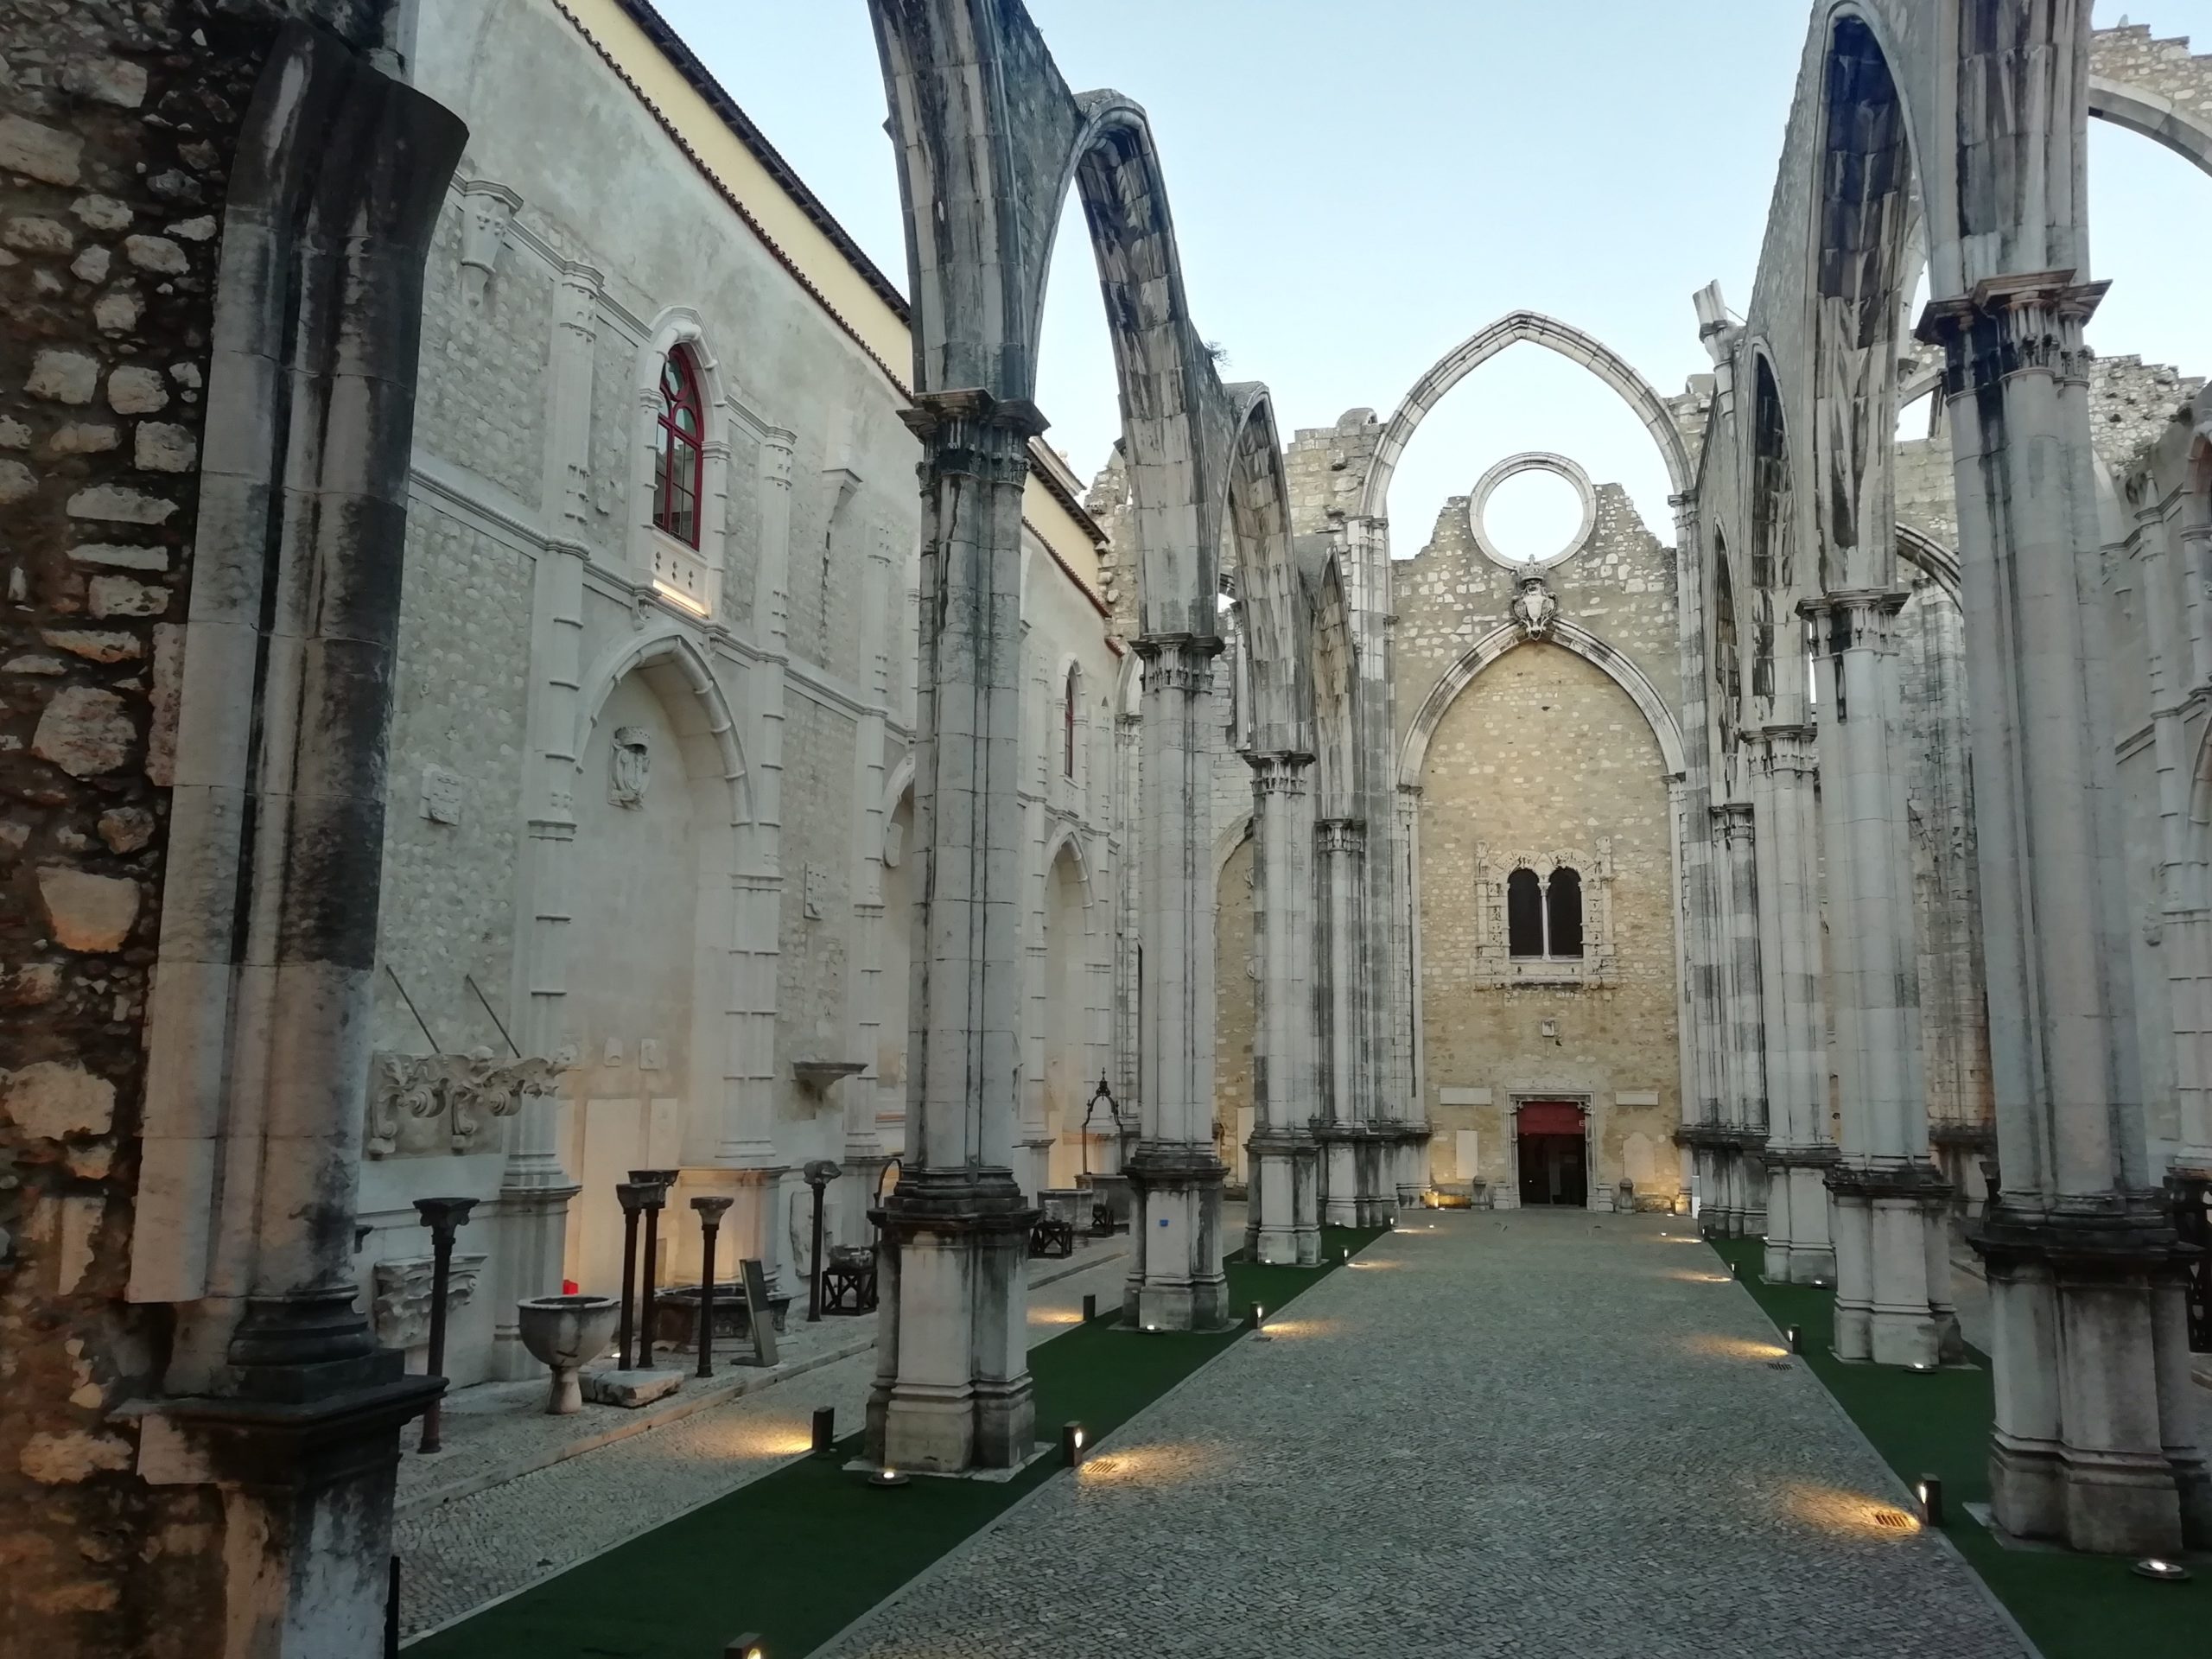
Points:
(952, 1389)
(1284, 1226)
(1176, 1281)
(746, 1165)
(1341, 845)
(864, 1158)
(2094, 1442)
(1412, 1161)
(1892, 1303)
(1744, 1110)
(535, 1190)
(1800, 1151)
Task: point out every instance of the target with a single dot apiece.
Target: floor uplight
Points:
(1921, 1368)
(1073, 1440)
(1929, 1489)
(748, 1646)
(825, 1428)
(887, 1476)
(1090, 1308)
(2151, 1567)
(1259, 1316)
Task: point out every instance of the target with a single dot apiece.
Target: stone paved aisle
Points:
(1529, 1435)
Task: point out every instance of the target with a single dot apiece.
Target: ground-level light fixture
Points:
(1929, 1489)
(748, 1646)
(1073, 1438)
(887, 1476)
(1090, 1308)
(825, 1428)
(1153, 1330)
(1259, 1316)
(1796, 1336)
(1922, 1368)
(2165, 1571)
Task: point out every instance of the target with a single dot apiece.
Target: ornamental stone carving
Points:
(403, 1296)
(417, 1101)
(487, 212)
(1534, 609)
(632, 766)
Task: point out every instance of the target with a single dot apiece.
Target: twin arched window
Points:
(1544, 918)
(679, 458)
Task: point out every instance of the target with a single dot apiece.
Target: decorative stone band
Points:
(2030, 323)
(1738, 1136)
(1281, 774)
(1341, 835)
(1963, 1134)
(2125, 1233)
(971, 434)
(463, 1088)
(1734, 822)
(1856, 619)
(1179, 662)
(1819, 1156)
(1289, 1140)
(1922, 1182)
(1785, 751)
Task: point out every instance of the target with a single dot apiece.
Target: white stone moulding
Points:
(1532, 461)
(408, 1092)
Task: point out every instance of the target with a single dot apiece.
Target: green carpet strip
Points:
(2072, 1606)
(800, 1553)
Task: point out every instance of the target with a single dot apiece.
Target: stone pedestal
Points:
(1800, 1246)
(1892, 1264)
(1285, 1225)
(2097, 1451)
(1176, 1281)
(952, 1390)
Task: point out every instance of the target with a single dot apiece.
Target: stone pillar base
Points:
(1892, 1290)
(1176, 1282)
(952, 1390)
(1340, 1171)
(2094, 1444)
(307, 1484)
(1283, 1228)
(1800, 1251)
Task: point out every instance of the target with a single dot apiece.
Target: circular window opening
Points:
(1531, 511)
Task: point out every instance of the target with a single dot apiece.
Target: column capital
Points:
(1178, 661)
(1341, 834)
(973, 433)
(1856, 618)
(1283, 773)
(2026, 320)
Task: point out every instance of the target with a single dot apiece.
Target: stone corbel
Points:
(403, 1296)
(487, 212)
(464, 1089)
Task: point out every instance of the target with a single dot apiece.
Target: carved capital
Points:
(1341, 835)
(1179, 662)
(1858, 620)
(2029, 322)
(403, 1296)
(1284, 774)
(487, 212)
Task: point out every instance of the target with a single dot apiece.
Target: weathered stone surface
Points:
(117, 313)
(63, 377)
(117, 505)
(17, 482)
(83, 438)
(102, 213)
(64, 1460)
(163, 447)
(88, 911)
(43, 153)
(107, 80)
(92, 266)
(13, 434)
(157, 254)
(96, 646)
(29, 234)
(32, 985)
(126, 828)
(54, 1099)
(33, 663)
(631, 1389)
(137, 391)
(120, 557)
(84, 731)
(122, 596)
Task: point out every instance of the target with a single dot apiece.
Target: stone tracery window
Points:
(1074, 691)
(1544, 918)
(680, 449)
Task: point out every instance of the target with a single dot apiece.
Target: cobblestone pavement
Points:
(458, 1554)
(1530, 1435)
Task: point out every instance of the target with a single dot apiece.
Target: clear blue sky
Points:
(1358, 185)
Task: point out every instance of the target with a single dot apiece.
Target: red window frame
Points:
(680, 454)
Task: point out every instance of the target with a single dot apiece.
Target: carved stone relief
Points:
(487, 212)
(631, 766)
(403, 1296)
(441, 795)
(422, 1103)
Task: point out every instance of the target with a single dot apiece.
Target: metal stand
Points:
(443, 1217)
(632, 1194)
(655, 1184)
(711, 1223)
(817, 1174)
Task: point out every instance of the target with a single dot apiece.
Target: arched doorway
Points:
(1067, 1014)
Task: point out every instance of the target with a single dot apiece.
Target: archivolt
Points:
(2139, 110)
(1510, 330)
(1484, 652)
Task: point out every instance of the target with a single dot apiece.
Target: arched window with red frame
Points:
(1067, 722)
(679, 462)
